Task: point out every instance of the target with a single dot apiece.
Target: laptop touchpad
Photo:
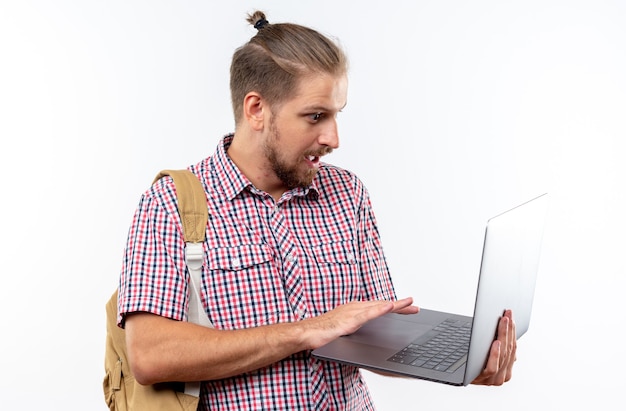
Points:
(389, 332)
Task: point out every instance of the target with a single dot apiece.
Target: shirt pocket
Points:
(239, 257)
(336, 279)
(243, 287)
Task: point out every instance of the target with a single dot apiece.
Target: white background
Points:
(457, 111)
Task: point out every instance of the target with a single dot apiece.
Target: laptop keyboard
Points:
(444, 348)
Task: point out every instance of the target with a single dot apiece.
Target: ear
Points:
(254, 110)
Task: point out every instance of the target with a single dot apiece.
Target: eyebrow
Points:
(322, 108)
(315, 108)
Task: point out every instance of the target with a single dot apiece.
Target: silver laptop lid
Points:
(508, 274)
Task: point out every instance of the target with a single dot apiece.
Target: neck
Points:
(249, 158)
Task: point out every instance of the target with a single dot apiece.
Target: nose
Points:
(330, 135)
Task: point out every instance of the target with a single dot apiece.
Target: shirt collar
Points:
(233, 181)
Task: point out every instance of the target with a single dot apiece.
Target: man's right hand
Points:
(348, 318)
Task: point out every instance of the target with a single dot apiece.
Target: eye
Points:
(315, 117)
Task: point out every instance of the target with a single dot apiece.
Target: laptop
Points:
(407, 345)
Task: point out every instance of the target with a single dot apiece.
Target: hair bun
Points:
(261, 23)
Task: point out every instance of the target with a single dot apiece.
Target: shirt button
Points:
(235, 262)
(350, 257)
(291, 258)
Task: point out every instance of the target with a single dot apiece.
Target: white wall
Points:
(457, 110)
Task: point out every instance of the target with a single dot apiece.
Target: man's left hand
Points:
(499, 368)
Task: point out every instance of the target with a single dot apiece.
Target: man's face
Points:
(305, 128)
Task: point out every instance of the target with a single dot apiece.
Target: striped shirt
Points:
(265, 262)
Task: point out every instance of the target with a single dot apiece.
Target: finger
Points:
(412, 309)
(501, 349)
(508, 349)
(405, 306)
(509, 368)
(504, 334)
(513, 348)
(486, 377)
(493, 362)
(405, 302)
(510, 337)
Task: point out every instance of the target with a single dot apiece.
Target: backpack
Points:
(121, 391)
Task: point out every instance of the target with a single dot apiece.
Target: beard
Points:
(289, 173)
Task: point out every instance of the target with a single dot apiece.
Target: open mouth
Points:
(314, 159)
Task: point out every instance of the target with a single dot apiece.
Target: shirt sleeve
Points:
(153, 276)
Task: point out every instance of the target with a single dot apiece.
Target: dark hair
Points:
(273, 61)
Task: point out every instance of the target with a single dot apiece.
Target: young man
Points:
(293, 257)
